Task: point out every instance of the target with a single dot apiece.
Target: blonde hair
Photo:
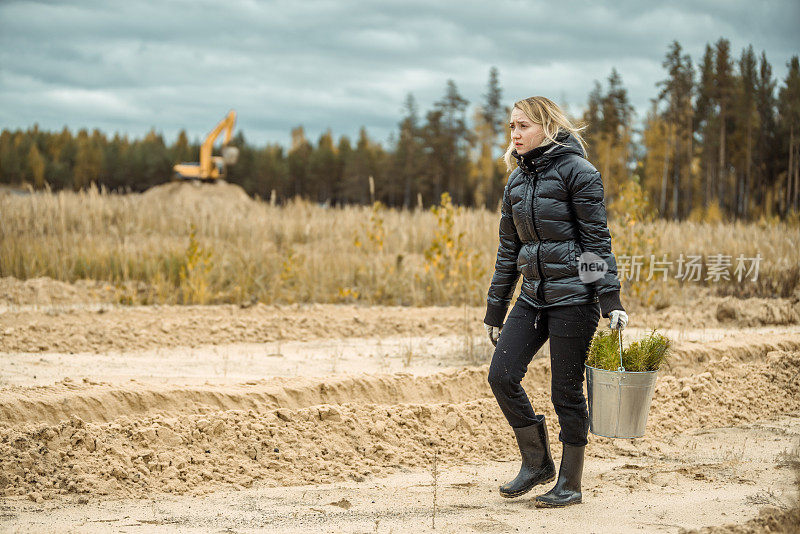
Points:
(544, 111)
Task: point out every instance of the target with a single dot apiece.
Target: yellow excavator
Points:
(211, 168)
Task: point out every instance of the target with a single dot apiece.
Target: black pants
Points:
(570, 329)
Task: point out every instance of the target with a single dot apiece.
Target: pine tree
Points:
(677, 91)
(36, 165)
(154, 160)
(725, 86)
(10, 159)
(321, 169)
(706, 120)
(492, 111)
(271, 171)
(747, 123)
(654, 171)
(435, 145)
(243, 173)
(344, 156)
(454, 158)
(789, 106)
(88, 161)
(489, 122)
(610, 133)
(593, 117)
(299, 154)
(408, 151)
(181, 151)
(358, 169)
(482, 170)
(764, 160)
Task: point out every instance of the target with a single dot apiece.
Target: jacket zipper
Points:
(539, 239)
(531, 226)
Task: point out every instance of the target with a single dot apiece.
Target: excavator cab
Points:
(230, 155)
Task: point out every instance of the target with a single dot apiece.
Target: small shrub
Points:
(453, 271)
(631, 216)
(195, 272)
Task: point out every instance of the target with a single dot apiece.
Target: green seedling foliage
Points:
(647, 354)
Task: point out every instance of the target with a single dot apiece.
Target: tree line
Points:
(722, 136)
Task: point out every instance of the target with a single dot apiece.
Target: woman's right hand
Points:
(494, 333)
(618, 319)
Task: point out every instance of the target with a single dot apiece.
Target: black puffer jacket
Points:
(553, 210)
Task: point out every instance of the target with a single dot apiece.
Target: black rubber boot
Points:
(537, 464)
(568, 487)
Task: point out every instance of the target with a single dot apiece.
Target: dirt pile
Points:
(44, 291)
(725, 392)
(192, 193)
(686, 356)
(769, 520)
(708, 311)
(758, 311)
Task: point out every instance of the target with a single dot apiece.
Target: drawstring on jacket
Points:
(536, 321)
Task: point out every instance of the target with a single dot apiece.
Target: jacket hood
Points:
(535, 160)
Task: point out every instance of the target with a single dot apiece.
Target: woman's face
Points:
(525, 133)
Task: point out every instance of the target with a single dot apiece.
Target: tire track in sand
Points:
(102, 402)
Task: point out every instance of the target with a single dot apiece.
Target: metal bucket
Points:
(619, 401)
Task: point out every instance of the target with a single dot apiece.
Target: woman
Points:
(553, 223)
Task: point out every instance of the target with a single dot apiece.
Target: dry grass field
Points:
(192, 360)
(182, 243)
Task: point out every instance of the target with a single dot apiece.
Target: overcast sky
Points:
(129, 66)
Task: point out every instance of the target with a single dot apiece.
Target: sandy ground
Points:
(698, 478)
(367, 419)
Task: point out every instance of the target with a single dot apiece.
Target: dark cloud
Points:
(341, 64)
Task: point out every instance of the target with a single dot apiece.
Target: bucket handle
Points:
(621, 369)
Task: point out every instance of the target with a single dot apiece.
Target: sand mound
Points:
(752, 347)
(327, 442)
(758, 311)
(193, 193)
(93, 402)
(45, 291)
(769, 520)
(707, 310)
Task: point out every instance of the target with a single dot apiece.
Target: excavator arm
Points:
(206, 164)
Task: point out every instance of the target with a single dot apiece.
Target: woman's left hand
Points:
(494, 333)
(619, 319)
